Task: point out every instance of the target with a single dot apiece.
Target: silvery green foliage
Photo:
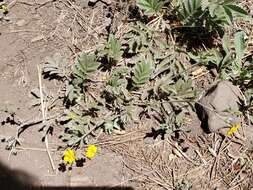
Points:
(55, 67)
(232, 63)
(112, 49)
(154, 82)
(151, 7)
(142, 72)
(84, 67)
(229, 62)
(110, 125)
(211, 14)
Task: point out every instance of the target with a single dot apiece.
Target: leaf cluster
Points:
(153, 83)
(142, 74)
(229, 60)
(212, 15)
(55, 67)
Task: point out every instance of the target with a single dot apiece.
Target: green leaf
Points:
(162, 83)
(237, 9)
(240, 45)
(190, 10)
(142, 73)
(129, 114)
(212, 7)
(228, 15)
(113, 48)
(204, 4)
(226, 43)
(110, 125)
(72, 93)
(115, 86)
(151, 7)
(85, 65)
(55, 67)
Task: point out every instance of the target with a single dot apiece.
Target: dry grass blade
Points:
(182, 153)
(43, 110)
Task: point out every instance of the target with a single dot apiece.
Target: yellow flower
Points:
(69, 156)
(72, 115)
(91, 151)
(233, 129)
(4, 8)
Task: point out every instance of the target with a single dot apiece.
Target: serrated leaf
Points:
(110, 125)
(85, 65)
(73, 93)
(210, 14)
(129, 114)
(115, 86)
(164, 81)
(113, 48)
(55, 67)
(122, 71)
(151, 6)
(190, 9)
(142, 73)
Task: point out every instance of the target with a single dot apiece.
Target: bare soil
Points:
(37, 30)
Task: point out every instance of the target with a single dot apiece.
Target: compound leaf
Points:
(142, 73)
(85, 66)
(151, 6)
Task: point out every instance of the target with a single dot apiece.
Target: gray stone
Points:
(21, 22)
(217, 108)
(82, 3)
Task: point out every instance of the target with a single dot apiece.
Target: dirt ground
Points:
(37, 29)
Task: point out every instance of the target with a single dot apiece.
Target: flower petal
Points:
(91, 151)
(69, 156)
(233, 129)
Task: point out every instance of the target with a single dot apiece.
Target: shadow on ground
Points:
(19, 180)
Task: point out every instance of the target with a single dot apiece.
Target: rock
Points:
(82, 3)
(248, 132)
(104, 170)
(217, 108)
(21, 22)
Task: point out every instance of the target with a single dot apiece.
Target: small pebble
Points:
(37, 38)
(21, 22)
